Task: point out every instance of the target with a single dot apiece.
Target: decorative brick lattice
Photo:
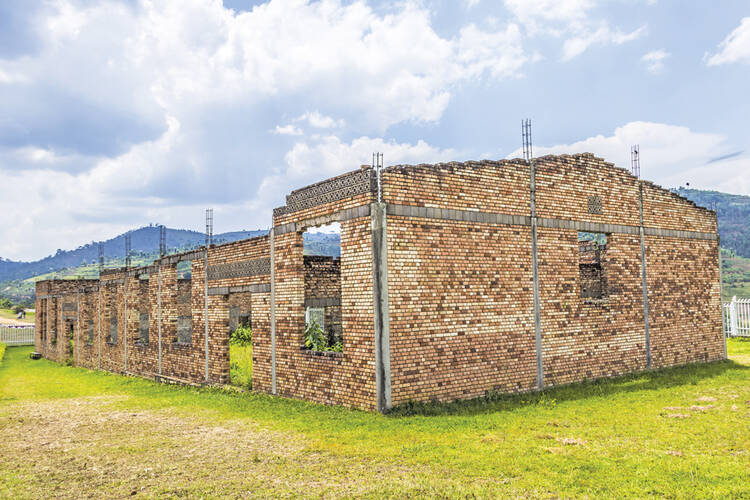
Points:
(595, 205)
(239, 269)
(338, 188)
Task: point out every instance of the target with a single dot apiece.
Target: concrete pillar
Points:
(125, 322)
(721, 293)
(381, 313)
(647, 334)
(535, 278)
(273, 310)
(205, 306)
(158, 315)
(99, 329)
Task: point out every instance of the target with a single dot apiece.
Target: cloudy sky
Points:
(115, 114)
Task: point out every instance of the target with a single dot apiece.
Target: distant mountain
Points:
(733, 211)
(144, 242)
(145, 247)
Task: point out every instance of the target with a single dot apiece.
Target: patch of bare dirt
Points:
(88, 448)
(572, 441)
(701, 408)
(706, 399)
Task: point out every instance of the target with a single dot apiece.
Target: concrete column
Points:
(273, 310)
(77, 345)
(381, 312)
(99, 329)
(47, 342)
(535, 278)
(158, 315)
(205, 306)
(644, 281)
(721, 293)
(125, 321)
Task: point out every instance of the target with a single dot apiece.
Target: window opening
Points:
(240, 340)
(143, 319)
(592, 250)
(184, 302)
(322, 264)
(112, 330)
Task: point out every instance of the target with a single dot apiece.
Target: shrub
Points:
(242, 336)
(317, 340)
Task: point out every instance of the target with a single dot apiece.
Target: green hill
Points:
(733, 211)
(17, 279)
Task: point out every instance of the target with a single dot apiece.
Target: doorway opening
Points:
(70, 330)
(240, 340)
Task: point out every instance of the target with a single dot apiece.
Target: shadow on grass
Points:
(642, 381)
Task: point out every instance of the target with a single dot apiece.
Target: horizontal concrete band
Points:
(457, 215)
(226, 290)
(522, 220)
(340, 216)
(671, 233)
(323, 302)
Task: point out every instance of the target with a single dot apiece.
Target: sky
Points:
(119, 113)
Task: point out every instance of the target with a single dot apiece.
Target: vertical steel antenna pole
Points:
(644, 281)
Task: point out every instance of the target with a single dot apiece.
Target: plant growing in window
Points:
(242, 336)
(315, 338)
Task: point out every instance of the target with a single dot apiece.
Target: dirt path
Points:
(15, 322)
(96, 447)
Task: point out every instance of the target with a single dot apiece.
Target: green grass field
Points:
(241, 366)
(680, 433)
(8, 314)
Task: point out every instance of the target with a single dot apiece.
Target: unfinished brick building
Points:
(464, 278)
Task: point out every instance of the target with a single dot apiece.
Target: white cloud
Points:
(317, 120)
(571, 20)
(670, 155)
(150, 111)
(604, 35)
(734, 48)
(287, 130)
(330, 156)
(654, 60)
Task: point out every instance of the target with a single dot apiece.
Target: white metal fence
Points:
(737, 318)
(17, 335)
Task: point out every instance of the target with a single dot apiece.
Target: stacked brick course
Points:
(464, 304)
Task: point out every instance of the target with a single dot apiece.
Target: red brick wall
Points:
(460, 292)
(684, 301)
(460, 309)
